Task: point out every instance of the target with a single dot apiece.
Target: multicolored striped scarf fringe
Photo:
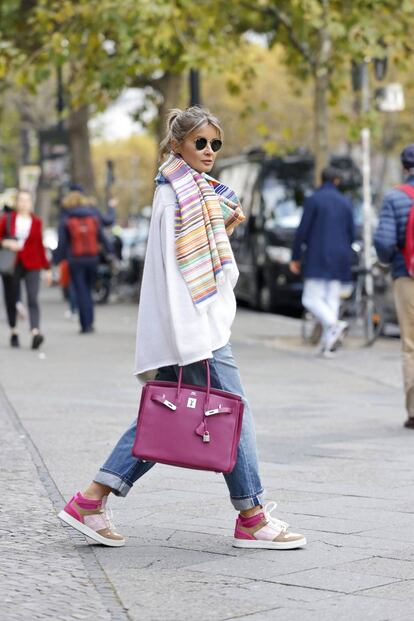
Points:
(207, 212)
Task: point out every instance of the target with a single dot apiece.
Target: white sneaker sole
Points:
(342, 332)
(329, 355)
(269, 545)
(85, 530)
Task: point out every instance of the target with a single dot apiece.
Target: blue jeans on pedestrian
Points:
(72, 297)
(83, 271)
(122, 469)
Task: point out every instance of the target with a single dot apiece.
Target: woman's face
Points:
(24, 203)
(201, 160)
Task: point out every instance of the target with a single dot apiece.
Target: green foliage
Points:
(320, 37)
(10, 147)
(270, 111)
(105, 46)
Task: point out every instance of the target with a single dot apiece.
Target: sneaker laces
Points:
(108, 517)
(273, 521)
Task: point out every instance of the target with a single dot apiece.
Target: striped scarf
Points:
(207, 212)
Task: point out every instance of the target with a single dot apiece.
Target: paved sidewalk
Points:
(334, 455)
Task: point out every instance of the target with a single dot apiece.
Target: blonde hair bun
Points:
(172, 115)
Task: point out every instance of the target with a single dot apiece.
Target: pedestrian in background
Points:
(21, 232)
(80, 238)
(390, 241)
(322, 252)
(20, 307)
(185, 317)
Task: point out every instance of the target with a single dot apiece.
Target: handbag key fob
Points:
(206, 436)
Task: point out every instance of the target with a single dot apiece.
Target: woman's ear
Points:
(175, 145)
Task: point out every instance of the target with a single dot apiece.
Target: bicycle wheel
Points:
(311, 329)
(373, 318)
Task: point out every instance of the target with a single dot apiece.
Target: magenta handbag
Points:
(188, 426)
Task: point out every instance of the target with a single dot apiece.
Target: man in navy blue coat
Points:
(322, 251)
(389, 240)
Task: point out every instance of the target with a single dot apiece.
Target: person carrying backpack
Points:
(80, 238)
(394, 243)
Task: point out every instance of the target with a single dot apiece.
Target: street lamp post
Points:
(110, 180)
(195, 99)
(367, 206)
(392, 100)
(60, 102)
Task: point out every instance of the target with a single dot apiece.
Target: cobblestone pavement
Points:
(42, 574)
(333, 454)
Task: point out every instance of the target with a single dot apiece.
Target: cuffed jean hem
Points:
(119, 486)
(243, 504)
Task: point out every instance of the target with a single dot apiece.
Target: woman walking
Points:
(21, 232)
(187, 307)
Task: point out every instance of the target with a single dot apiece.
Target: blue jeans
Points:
(83, 272)
(72, 298)
(121, 469)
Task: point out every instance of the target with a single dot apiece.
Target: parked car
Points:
(272, 192)
(131, 264)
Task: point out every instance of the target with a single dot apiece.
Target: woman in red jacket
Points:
(22, 234)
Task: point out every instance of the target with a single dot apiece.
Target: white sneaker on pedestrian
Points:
(335, 335)
(322, 352)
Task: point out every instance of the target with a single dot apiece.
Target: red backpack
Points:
(83, 233)
(408, 250)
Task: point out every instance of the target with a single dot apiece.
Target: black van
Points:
(272, 192)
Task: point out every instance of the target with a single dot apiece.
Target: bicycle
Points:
(357, 310)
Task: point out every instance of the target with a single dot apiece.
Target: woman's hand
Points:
(11, 244)
(295, 267)
(48, 278)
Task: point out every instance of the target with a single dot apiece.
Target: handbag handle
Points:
(180, 381)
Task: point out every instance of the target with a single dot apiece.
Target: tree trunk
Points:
(170, 88)
(321, 147)
(80, 151)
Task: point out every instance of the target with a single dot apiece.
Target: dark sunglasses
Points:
(215, 144)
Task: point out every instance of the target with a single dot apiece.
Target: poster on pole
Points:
(54, 156)
(390, 98)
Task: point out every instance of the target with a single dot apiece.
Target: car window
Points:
(283, 200)
(233, 177)
(241, 178)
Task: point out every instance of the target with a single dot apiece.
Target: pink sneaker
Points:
(93, 519)
(265, 532)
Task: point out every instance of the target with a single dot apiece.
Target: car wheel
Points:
(101, 293)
